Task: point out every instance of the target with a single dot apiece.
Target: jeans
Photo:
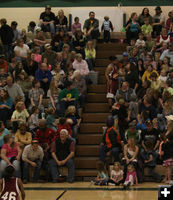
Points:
(16, 165)
(48, 28)
(107, 36)
(90, 62)
(8, 49)
(82, 98)
(54, 169)
(114, 152)
(36, 174)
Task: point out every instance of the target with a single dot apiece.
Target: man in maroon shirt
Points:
(43, 134)
(63, 150)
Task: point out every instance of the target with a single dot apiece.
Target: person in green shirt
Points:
(132, 132)
(91, 27)
(147, 28)
(67, 97)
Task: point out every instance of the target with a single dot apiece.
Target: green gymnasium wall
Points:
(78, 3)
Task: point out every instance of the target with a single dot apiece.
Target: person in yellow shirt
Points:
(90, 54)
(22, 137)
(147, 73)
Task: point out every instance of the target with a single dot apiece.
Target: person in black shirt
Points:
(61, 21)
(6, 34)
(150, 134)
(47, 19)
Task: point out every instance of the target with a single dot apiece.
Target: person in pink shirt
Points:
(10, 154)
(76, 25)
(81, 65)
(131, 177)
(37, 56)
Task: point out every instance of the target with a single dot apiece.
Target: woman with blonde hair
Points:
(61, 21)
(53, 94)
(90, 54)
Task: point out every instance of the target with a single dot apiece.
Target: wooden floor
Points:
(87, 191)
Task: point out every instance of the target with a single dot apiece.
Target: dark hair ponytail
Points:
(8, 173)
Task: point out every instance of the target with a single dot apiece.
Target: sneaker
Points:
(111, 184)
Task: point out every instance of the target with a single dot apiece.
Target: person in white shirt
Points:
(140, 43)
(168, 53)
(21, 50)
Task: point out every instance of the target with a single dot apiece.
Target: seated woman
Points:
(21, 50)
(79, 42)
(10, 154)
(131, 151)
(90, 54)
(81, 65)
(61, 21)
(53, 94)
(163, 37)
(6, 104)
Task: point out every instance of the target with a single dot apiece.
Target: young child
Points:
(149, 158)
(102, 175)
(90, 54)
(140, 43)
(163, 77)
(116, 177)
(132, 45)
(50, 119)
(147, 28)
(19, 115)
(107, 27)
(131, 177)
(75, 120)
(37, 55)
(33, 120)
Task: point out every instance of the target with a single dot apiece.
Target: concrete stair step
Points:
(87, 150)
(89, 139)
(94, 97)
(111, 46)
(86, 162)
(92, 127)
(101, 70)
(97, 88)
(95, 117)
(86, 172)
(107, 53)
(102, 79)
(96, 107)
(100, 62)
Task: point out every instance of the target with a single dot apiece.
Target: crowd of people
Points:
(139, 131)
(139, 91)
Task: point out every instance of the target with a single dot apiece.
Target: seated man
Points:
(111, 143)
(47, 19)
(67, 97)
(91, 27)
(44, 76)
(62, 152)
(32, 155)
(49, 55)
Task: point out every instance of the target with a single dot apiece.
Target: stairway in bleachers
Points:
(95, 114)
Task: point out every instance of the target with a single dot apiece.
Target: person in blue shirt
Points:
(44, 76)
(3, 133)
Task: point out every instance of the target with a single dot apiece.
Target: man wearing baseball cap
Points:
(47, 19)
(158, 21)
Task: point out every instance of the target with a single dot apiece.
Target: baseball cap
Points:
(48, 7)
(14, 23)
(158, 8)
(47, 46)
(38, 29)
(132, 125)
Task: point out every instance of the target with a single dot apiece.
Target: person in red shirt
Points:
(43, 134)
(3, 63)
(62, 125)
(163, 37)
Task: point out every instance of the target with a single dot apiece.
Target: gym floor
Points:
(87, 191)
